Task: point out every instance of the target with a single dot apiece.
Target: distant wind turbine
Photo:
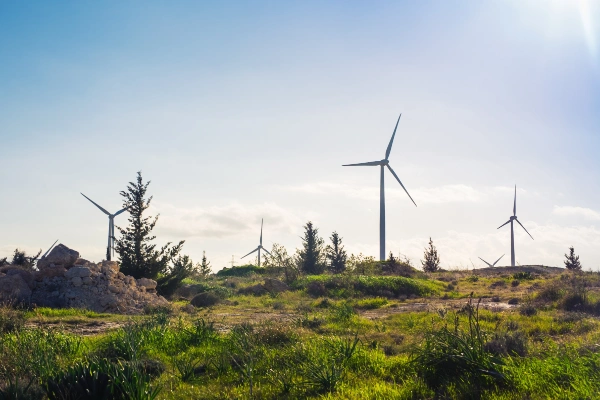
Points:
(495, 262)
(383, 163)
(512, 232)
(111, 227)
(260, 246)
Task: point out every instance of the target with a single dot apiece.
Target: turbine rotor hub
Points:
(385, 162)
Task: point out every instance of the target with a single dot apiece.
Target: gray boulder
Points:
(26, 275)
(14, 289)
(60, 255)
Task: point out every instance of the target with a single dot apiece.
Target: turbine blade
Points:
(121, 211)
(504, 224)
(265, 250)
(525, 229)
(490, 265)
(389, 148)
(102, 209)
(515, 206)
(398, 179)
(364, 164)
(48, 251)
(495, 262)
(261, 226)
(255, 250)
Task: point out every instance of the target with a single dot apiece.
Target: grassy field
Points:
(502, 334)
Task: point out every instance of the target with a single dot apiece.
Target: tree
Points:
(310, 257)
(361, 264)
(572, 261)
(170, 280)
(21, 259)
(336, 254)
(204, 269)
(279, 261)
(432, 260)
(138, 255)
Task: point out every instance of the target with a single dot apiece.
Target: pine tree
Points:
(432, 260)
(204, 269)
(572, 261)
(310, 257)
(336, 254)
(138, 255)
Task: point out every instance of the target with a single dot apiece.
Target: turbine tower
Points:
(383, 164)
(495, 262)
(111, 227)
(260, 246)
(512, 232)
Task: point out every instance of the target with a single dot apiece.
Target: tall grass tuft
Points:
(458, 357)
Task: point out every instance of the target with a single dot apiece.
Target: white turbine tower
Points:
(512, 232)
(260, 246)
(111, 227)
(383, 163)
(495, 262)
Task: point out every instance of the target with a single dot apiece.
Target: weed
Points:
(371, 304)
(458, 356)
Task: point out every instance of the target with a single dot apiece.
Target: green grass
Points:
(356, 341)
(64, 312)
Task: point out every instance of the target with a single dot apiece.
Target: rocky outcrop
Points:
(275, 285)
(61, 255)
(97, 287)
(65, 280)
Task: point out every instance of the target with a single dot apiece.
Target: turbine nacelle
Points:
(385, 162)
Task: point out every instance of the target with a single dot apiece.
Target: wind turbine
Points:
(512, 232)
(111, 227)
(383, 163)
(260, 246)
(495, 262)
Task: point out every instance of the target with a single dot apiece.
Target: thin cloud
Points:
(435, 195)
(570, 211)
(222, 221)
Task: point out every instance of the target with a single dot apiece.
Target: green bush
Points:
(242, 270)
(523, 276)
(381, 286)
(371, 304)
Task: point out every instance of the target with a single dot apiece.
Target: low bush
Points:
(515, 283)
(371, 304)
(512, 343)
(11, 319)
(242, 270)
(523, 276)
(205, 299)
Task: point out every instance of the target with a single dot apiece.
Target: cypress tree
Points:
(432, 260)
(310, 258)
(204, 268)
(572, 261)
(336, 254)
(139, 257)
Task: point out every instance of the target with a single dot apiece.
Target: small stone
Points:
(77, 281)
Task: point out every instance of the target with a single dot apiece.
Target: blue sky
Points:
(240, 111)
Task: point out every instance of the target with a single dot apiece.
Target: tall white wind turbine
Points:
(260, 246)
(111, 227)
(383, 163)
(512, 232)
(491, 265)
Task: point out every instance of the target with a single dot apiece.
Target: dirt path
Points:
(84, 329)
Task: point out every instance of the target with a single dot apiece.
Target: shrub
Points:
(523, 276)
(371, 304)
(498, 284)
(10, 319)
(574, 301)
(550, 292)
(528, 310)
(513, 301)
(205, 299)
(316, 289)
(472, 278)
(242, 270)
(508, 344)
(515, 283)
